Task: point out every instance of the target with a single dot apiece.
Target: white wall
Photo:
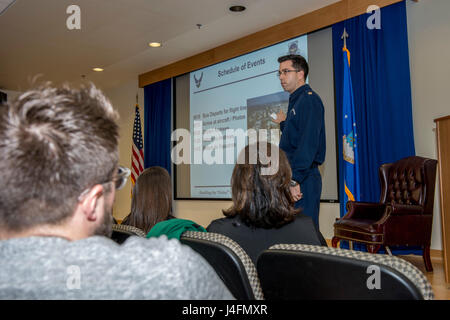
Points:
(11, 94)
(123, 98)
(429, 47)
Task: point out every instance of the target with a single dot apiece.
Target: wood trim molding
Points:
(437, 254)
(441, 118)
(443, 152)
(309, 22)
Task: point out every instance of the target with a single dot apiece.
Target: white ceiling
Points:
(114, 35)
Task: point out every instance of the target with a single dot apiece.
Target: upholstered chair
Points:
(404, 215)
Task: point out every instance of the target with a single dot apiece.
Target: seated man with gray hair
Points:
(59, 168)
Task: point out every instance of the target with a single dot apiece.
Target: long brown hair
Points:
(262, 200)
(152, 199)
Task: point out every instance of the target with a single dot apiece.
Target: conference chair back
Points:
(230, 262)
(120, 233)
(296, 271)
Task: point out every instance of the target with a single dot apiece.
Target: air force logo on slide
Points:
(293, 47)
(198, 81)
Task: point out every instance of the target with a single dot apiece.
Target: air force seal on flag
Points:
(348, 144)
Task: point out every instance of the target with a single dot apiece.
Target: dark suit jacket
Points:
(256, 240)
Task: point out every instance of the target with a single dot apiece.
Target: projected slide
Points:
(240, 93)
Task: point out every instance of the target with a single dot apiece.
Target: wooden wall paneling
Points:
(443, 145)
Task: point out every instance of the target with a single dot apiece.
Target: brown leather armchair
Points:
(404, 215)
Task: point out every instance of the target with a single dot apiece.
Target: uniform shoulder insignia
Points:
(310, 92)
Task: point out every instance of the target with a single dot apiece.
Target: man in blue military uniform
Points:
(303, 134)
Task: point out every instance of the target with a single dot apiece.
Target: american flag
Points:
(137, 157)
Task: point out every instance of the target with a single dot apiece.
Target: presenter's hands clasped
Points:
(281, 116)
(296, 192)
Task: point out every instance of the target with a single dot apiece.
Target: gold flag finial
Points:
(345, 36)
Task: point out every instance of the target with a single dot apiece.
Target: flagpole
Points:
(137, 152)
(350, 153)
(345, 36)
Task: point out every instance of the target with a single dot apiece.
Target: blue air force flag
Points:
(349, 143)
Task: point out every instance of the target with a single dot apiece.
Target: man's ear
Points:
(91, 201)
(301, 75)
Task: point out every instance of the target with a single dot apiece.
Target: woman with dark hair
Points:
(151, 206)
(263, 212)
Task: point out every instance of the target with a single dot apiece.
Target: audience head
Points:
(152, 199)
(58, 158)
(262, 200)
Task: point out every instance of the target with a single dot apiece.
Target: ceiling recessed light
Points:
(97, 69)
(237, 8)
(154, 44)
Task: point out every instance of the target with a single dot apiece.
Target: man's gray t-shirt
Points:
(98, 268)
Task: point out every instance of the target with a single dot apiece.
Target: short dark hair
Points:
(54, 144)
(152, 199)
(262, 201)
(298, 62)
